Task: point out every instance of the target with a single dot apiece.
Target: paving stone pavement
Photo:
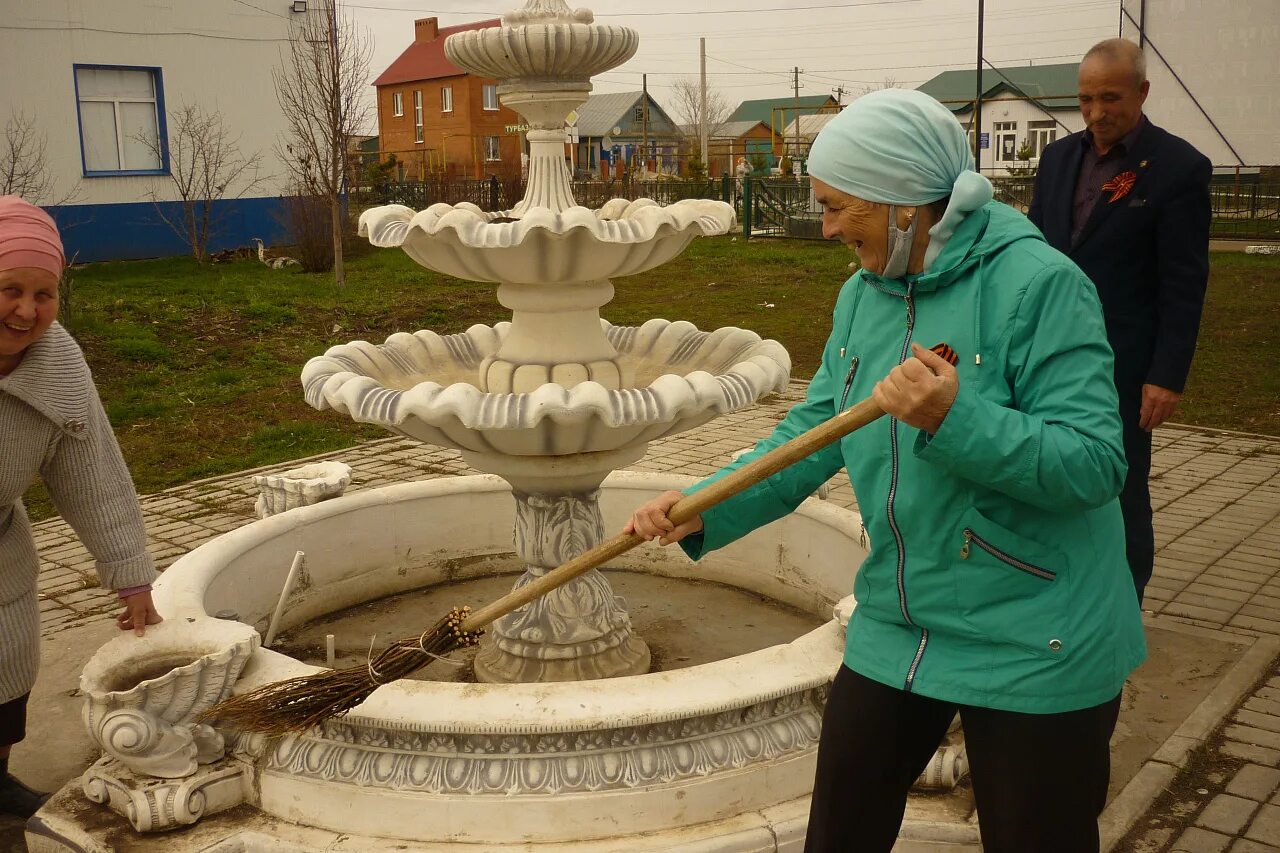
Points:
(1217, 501)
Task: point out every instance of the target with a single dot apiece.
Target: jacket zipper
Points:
(848, 383)
(1007, 559)
(893, 492)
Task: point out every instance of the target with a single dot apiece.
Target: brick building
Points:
(438, 119)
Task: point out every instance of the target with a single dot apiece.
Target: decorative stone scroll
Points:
(151, 805)
(545, 763)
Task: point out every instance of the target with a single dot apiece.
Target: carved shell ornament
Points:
(579, 244)
(423, 385)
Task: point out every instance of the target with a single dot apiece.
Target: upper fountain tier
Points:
(543, 57)
(545, 247)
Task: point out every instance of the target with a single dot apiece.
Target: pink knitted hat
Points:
(28, 237)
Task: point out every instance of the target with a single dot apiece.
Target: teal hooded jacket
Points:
(997, 574)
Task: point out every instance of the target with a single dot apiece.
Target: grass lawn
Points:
(199, 368)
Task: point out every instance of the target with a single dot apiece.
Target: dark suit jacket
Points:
(1147, 253)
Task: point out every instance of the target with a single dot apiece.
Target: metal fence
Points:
(497, 194)
(1246, 204)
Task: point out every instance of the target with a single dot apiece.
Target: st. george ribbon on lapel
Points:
(1120, 185)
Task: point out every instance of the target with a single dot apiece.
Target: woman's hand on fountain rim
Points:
(651, 521)
(139, 612)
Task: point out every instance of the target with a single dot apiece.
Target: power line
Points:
(70, 28)
(260, 9)
(917, 23)
(653, 14)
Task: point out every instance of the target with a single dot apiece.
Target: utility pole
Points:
(704, 129)
(644, 124)
(840, 95)
(796, 105)
(977, 98)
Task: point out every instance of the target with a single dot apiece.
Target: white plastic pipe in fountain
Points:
(290, 580)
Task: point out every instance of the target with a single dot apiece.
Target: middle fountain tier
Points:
(557, 398)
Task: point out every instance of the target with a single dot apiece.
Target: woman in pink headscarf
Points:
(52, 425)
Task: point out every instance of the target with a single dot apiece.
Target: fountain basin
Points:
(424, 386)
(529, 763)
(545, 245)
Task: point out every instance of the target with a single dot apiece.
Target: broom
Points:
(297, 704)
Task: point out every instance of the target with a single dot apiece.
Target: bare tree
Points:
(23, 168)
(889, 82)
(205, 167)
(320, 89)
(686, 106)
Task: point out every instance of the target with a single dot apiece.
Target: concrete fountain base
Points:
(713, 756)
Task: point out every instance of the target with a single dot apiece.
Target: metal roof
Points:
(762, 110)
(602, 113)
(809, 125)
(425, 60)
(725, 130)
(956, 88)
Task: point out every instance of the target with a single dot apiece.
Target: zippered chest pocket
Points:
(1011, 589)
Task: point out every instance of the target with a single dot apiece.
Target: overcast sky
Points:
(752, 45)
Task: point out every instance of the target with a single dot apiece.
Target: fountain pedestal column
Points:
(577, 632)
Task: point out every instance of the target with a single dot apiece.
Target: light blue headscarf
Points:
(900, 146)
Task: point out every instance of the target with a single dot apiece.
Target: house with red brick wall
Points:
(438, 119)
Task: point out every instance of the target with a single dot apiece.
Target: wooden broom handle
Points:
(803, 445)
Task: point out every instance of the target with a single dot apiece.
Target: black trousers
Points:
(1039, 780)
(13, 720)
(1135, 497)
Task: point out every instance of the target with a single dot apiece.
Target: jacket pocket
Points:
(1010, 589)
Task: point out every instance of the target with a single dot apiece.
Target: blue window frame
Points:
(120, 109)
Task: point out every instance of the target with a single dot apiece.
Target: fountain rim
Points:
(741, 681)
(629, 223)
(325, 379)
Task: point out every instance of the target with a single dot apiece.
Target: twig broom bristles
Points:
(298, 704)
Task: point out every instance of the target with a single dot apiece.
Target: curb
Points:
(1158, 772)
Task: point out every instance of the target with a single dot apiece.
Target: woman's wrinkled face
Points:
(28, 306)
(861, 225)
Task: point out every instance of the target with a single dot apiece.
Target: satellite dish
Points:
(606, 142)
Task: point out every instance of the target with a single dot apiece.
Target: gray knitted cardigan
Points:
(52, 424)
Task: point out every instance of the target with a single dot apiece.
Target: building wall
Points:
(453, 142)
(723, 154)
(1006, 110)
(1225, 53)
(226, 67)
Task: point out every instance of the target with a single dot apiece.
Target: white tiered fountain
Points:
(570, 742)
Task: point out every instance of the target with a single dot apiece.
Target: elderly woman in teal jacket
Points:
(996, 584)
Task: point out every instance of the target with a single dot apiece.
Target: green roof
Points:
(762, 110)
(956, 88)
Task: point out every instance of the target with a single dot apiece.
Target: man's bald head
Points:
(1122, 52)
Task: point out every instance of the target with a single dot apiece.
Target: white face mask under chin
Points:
(898, 247)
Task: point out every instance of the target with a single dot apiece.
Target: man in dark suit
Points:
(1129, 203)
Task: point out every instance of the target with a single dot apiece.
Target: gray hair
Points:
(1121, 50)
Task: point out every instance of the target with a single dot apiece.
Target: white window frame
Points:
(157, 104)
(490, 96)
(492, 149)
(418, 135)
(1039, 136)
(1001, 131)
(446, 99)
(397, 104)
